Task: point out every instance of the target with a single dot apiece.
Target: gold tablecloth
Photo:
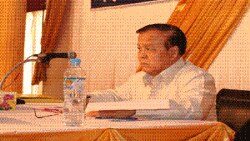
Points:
(214, 132)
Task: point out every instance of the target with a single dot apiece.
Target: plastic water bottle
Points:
(74, 96)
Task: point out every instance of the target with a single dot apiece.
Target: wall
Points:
(231, 68)
(105, 40)
(109, 44)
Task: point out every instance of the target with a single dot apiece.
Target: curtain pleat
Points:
(54, 16)
(207, 25)
(12, 32)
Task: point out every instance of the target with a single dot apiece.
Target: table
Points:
(21, 124)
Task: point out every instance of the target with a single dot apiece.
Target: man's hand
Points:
(111, 113)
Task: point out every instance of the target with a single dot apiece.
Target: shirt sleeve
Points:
(108, 95)
(193, 100)
(199, 96)
(120, 93)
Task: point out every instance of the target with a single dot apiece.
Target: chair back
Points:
(233, 107)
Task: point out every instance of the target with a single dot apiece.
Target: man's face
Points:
(153, 56)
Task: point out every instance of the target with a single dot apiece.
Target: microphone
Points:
(46, 57)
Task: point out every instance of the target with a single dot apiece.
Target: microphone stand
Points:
(19, 101)
(38, 58)
(14, 68)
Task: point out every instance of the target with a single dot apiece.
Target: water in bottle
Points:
(74, 96)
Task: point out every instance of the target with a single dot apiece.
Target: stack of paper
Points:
(129, 105)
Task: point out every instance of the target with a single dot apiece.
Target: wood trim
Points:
(109, 3)
(35, 5)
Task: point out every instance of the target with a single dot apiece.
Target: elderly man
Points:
(164, 75)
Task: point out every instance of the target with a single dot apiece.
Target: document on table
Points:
(151, 104)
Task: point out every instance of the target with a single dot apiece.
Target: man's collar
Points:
(173, 69)
(167, 73)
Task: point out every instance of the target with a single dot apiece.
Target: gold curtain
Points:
(54, 16)
(207, 25)
(12, 32)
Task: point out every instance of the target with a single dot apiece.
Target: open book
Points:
(151, 104)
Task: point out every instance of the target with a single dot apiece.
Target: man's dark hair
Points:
(177, 37)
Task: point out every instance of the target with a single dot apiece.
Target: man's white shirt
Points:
(189, 90)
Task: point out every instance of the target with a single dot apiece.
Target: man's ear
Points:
(174, 52)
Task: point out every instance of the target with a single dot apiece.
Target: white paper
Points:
(129, 105)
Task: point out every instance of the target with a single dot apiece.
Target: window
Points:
(32, 45)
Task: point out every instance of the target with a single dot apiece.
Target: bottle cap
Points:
(75, 61)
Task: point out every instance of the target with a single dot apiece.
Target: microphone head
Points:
(72, 55)
(45, 58)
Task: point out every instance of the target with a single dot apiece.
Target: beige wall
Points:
(105, 40)
(231, 68)
(109, 44)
